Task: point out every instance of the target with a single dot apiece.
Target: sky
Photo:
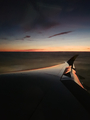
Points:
(44, 25)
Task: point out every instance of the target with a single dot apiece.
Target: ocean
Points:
(17, 61)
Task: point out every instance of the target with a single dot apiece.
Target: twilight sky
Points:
(45, 25)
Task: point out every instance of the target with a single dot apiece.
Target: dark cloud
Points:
(45, 24)
(17, 17)
(4, 38)
(39, 24)
(27, 36)
(39, 19)
(62, 33)
(23, 38)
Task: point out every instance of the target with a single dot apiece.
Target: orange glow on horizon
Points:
(50, 49)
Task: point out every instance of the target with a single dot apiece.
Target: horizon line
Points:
(44, 51)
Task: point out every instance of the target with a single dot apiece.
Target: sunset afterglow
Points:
(45, 26)
(51, 49)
